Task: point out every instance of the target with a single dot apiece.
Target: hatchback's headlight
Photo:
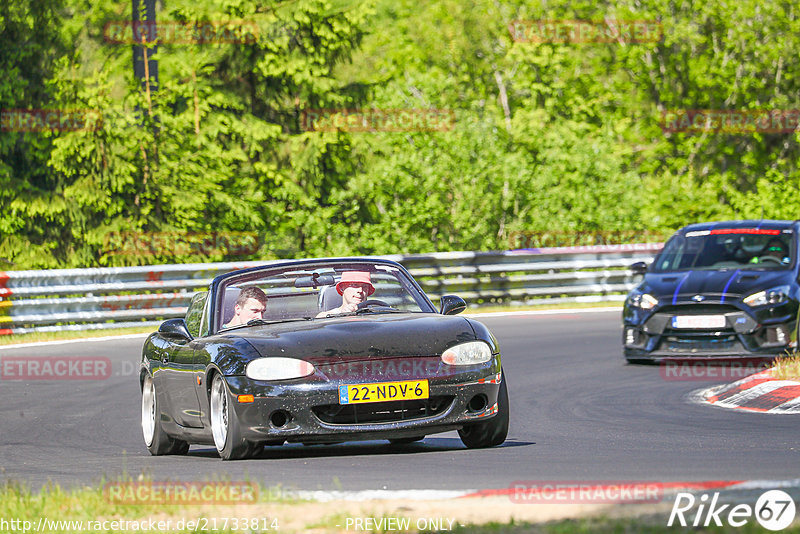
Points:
(644, 301)
(776, 295)
(467, 353)
(278, 369)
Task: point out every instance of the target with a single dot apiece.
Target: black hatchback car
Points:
(717, 290)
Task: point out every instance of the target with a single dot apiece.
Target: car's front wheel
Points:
(225, 425)
(492, 432)
(158, 442)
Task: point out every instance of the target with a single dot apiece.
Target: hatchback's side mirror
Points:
(452, 305)
(175, 328)
(639, 267)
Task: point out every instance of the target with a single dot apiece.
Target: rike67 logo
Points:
(774, 510)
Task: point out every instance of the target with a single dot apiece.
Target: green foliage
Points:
(546, 136)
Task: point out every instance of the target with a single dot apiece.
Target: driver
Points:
(775, 248)
(354, 287)
(250, 304)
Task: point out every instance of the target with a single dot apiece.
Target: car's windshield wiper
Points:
(376, 309)
(259, 322)
(368, 309)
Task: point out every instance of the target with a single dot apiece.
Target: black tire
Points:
(255, 450)
(404, 441)
(158, 442)
(492, 432)
(225, 425)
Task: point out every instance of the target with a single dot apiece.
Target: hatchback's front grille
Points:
(706, 343)
(698, 309)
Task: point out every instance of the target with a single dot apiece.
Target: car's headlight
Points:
(644, 301)
(467, 353)
(776, 295)
(278, 369)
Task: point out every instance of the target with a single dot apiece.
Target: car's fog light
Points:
(631, 336)
(780, 335)
(279, 418)
(776, 335)
(477, 403)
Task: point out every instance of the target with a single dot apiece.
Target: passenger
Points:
(354, 287)
(250, 304)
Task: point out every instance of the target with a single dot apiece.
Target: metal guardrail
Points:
(83, 299)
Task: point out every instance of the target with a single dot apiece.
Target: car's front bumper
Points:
(654, 337)
(309, 410)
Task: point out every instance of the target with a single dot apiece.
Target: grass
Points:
(787, 367)
(35, 337)
(91, 505)
(629, 525)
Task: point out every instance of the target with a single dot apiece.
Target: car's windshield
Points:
(735, 248)
(317, 292)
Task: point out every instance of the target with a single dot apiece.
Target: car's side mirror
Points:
(639, 267)
(452, 305)
(175, 328)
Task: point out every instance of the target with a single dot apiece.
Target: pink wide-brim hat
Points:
(361, 277)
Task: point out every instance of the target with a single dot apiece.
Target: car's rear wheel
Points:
(492, 432)
(158, 442)
(225, 425)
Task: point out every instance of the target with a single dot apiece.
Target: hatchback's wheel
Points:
(225, 425)
(492, 432)
(158, 442)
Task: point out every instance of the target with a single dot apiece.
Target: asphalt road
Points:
(579, 413)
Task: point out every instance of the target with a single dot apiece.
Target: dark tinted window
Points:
(738, 248)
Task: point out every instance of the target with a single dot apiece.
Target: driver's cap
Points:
(359, 277)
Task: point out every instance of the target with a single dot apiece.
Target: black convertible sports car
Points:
(319, 351)
(717, 290)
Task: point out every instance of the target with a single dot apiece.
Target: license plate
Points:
(698, 321)
(383, 392)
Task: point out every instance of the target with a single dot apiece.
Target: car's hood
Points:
(732, 283)
(361, 337)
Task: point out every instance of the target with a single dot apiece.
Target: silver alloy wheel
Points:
(219, 412)
(148, 410)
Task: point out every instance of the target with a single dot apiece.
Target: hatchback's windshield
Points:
(318, 291)
(736, 248)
